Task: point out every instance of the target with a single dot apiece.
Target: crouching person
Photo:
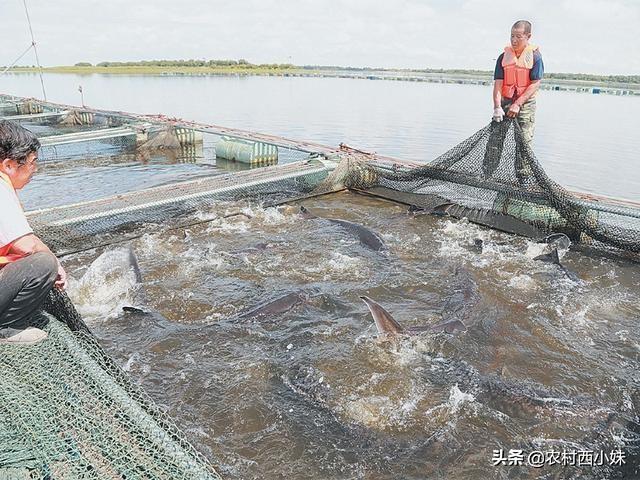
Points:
(28, 269)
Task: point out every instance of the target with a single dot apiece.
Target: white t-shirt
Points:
(13, 222)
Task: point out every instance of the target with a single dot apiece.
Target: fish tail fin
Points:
(441, 210)
(551, 257)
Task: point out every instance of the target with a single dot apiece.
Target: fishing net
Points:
(29, 107)
(89, 224)
(75, 117)
(81, 144)
(68, 411)
(166, 138)
(493, 178)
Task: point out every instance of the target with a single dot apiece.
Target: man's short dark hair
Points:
(523, 24)
(16, 142)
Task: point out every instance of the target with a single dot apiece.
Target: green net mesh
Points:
(68, 411)
(493, 178)
(89, 224)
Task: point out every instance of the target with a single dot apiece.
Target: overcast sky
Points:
(588, 36)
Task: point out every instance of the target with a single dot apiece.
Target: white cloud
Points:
(594, 36)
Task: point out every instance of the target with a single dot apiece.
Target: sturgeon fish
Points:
(488, 218)
(113, 278)
(558, 241)
(387, 325)
(278, 306)
(458, 306)
(139, 305)
(523, 399)
(367, 237)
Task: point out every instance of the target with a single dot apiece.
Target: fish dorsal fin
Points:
(385, 323)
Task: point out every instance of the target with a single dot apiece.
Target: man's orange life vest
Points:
(516, 71)
(5, 256)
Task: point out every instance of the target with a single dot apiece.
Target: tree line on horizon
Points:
(188, 63)
(585, 77)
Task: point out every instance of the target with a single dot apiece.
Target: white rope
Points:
(33, 44)
(17, 59)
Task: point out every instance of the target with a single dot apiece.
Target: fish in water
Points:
(463, 297)
(458, 307)
(367, 237)
(554, 258)
(387, 325)
(140, 298)
(488, 218)
(278, 306)
(478, 245)
(112, 280)
(558, 242)
(313, 412)
(515, 398)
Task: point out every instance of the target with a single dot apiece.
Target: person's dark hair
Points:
(16, 142)
(523, 24)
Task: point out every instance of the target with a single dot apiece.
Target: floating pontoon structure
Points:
(77, 226)
(491, 176)
(87, 136)
(33, 116)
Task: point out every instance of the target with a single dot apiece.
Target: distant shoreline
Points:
(552, 81)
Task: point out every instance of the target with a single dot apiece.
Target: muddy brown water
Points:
(546, 363)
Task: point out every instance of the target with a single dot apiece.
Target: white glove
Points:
(498, 114)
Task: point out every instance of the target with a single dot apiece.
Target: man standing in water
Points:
(518, 72)
(28, 269)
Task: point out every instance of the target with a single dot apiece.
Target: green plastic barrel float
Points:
(247, 151)
(29, 108)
